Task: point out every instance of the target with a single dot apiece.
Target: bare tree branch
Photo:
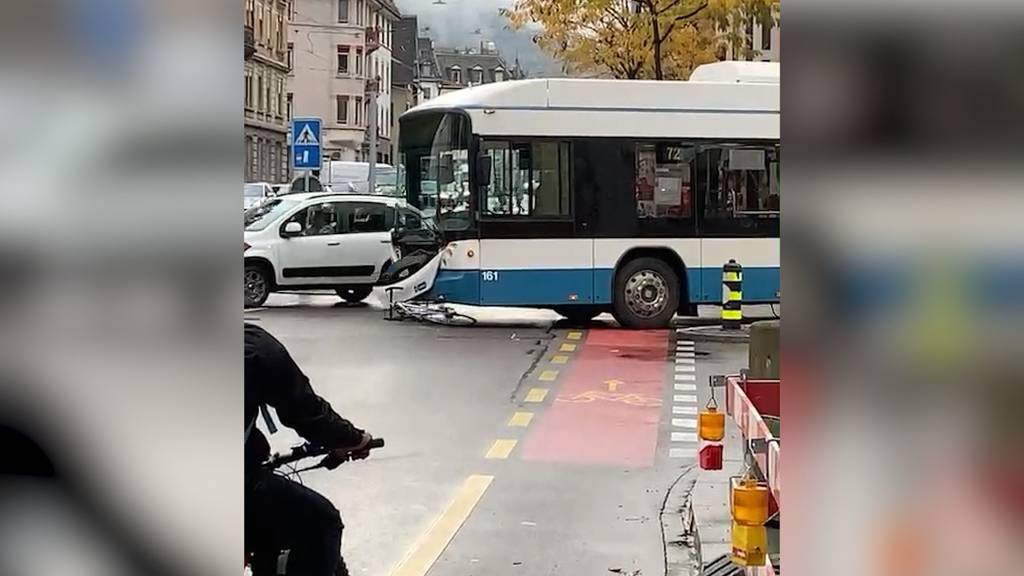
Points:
(692, 13)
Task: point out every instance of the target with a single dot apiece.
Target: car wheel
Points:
(646, 293)
(256, 285)
(579, 313)
(353, 294)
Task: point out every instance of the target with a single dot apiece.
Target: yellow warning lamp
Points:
(749, 502)
(711, 424)
(749, 544)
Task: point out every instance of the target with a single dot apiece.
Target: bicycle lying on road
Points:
(433, 312)
(330, 461)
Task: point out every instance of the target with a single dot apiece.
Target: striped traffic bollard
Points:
(732, 295)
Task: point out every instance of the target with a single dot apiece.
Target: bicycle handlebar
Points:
(309, 451)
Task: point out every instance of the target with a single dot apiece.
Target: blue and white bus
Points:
(586, 196)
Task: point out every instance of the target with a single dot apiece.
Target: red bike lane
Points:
(609, 404)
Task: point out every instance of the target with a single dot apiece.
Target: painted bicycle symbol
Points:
(600, 395)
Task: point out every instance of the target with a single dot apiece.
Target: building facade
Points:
(460, 69)
(760, 42)
(340, 51)
(266, 86)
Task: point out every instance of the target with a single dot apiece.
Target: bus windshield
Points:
(435, 168)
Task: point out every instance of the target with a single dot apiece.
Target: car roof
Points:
(336, 196)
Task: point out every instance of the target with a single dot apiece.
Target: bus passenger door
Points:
(530, 254)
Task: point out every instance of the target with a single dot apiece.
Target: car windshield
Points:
(263, 215)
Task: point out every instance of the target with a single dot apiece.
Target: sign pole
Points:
(371, 181)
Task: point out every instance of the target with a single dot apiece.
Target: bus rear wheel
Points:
(646, 293)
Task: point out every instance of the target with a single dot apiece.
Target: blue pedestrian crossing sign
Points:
(306, 143)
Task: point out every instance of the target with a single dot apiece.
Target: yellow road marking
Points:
(536, 394)
(548, 375)
(559, 359)
(433, 542)
(501, 448)
(567, 347)
(521, 419)
(574, 335)
(613, 384)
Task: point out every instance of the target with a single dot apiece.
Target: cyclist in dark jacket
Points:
(300, 527)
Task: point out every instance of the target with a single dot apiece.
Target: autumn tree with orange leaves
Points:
(660, 39)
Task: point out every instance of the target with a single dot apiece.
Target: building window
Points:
(260, 104)
(359, 61)
(766, 36)
(261, 32)
(279, 33)
(248, 89)
(291, 9)
(360, 11)
(455, 75)
(289, 105)
(342, 102)
(499, 74)
(476, 75)
(249, 14)
(359, 110)
(343, 59)
(527, 179)
(291, 56)
(342, 10)
(750, 34)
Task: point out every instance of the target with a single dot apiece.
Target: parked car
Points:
(323, 240)
(254, 193)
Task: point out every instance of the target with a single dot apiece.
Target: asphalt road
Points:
(515, 447)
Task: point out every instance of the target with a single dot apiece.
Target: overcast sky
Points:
(455, 25)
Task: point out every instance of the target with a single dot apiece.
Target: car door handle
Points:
(334, 243)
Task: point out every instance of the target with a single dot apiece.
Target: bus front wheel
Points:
(646, 293)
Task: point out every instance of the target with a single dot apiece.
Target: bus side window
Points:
(495, 194)
(664, 181)
(742, 182)
(527, 179)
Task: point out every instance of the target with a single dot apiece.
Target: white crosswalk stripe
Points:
(684, 437)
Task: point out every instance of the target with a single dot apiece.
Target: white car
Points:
(255, 192)
(321, 240)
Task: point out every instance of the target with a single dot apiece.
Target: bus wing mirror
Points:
(483, 171)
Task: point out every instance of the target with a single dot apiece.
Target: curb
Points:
(679, 527)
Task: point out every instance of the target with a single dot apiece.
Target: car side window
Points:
(411, 220)
(363, 217)
(318, 220)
